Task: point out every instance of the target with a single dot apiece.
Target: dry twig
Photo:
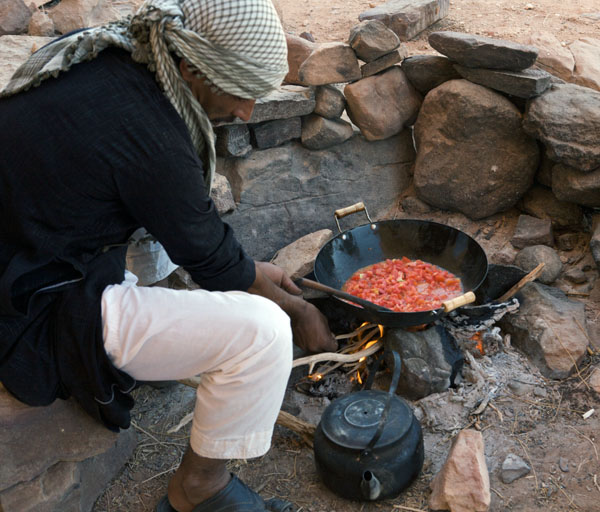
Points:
(410, 509)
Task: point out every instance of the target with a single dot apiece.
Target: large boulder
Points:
(550, 328)
(382, 105)
(472, 155)
(586, 52)
(566, 118)
(301, 188)
(56, 457)
(329, 63)
(14, 17)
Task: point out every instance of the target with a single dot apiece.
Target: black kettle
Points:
(368, 445)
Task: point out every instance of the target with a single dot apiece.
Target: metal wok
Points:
(432, 242)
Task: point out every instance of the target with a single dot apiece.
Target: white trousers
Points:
(240, 343)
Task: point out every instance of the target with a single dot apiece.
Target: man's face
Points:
(220, 108)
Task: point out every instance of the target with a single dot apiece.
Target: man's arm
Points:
(309, 325)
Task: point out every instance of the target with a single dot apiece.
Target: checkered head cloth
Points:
(239, 46)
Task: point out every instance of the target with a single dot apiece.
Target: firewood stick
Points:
(334, 356)
(527, 279)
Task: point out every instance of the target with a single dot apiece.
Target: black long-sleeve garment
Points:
(87, 158)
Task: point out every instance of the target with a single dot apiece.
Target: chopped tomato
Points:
(404, 285)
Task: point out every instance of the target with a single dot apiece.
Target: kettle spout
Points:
(370, 486)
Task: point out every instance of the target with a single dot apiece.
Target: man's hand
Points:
(309, 325)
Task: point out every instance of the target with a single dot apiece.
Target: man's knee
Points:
(276, 332)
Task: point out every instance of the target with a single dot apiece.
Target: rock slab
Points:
(301, 188)
(522, 84)
(56, 457)
(407, 18)
(475, 51)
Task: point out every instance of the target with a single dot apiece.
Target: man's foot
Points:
(196, 480)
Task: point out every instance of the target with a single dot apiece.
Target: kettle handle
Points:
(386, 408)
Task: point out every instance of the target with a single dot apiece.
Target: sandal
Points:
(235, 497)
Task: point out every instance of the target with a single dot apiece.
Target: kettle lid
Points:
(352, 421)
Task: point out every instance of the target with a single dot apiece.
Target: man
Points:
(103, 132)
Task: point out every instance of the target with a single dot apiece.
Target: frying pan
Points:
(432, 242)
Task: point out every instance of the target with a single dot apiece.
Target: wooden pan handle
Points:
(343, 212)
(457, 302)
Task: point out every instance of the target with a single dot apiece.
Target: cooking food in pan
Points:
(404, 285)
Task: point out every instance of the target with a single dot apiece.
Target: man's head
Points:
(238, 47)
(220, 107)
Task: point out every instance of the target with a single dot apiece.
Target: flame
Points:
(478, 338)
(358, 377)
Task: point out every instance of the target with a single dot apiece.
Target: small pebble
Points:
(563, 464)
(540, 392)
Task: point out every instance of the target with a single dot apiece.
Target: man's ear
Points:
(185, 71)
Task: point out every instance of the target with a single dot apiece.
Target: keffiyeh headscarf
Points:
(238, 46)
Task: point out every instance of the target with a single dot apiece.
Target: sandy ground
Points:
(506, 19)
(541, 428)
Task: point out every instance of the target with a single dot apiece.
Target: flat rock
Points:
(273, 133)
(566, 118)
(532, 231)
(382, 105)
(371, 39)
(586, 52)
(550, 328)
(574, 186)
(513, 468)
(526, 84)
(531, 256)
(298, 258)
(330, 101)
(301, 188)
(542, 203)
(382, 63)
(298, 51)
(56, 457)
(478, 168)
(426, 72)
(407, 18)
(475, 51)
(553, 57)
(320, 133)
(287, 101)
(14, 50)
(463, 483)
(330, 63)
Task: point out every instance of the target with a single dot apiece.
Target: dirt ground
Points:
(535, 418)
